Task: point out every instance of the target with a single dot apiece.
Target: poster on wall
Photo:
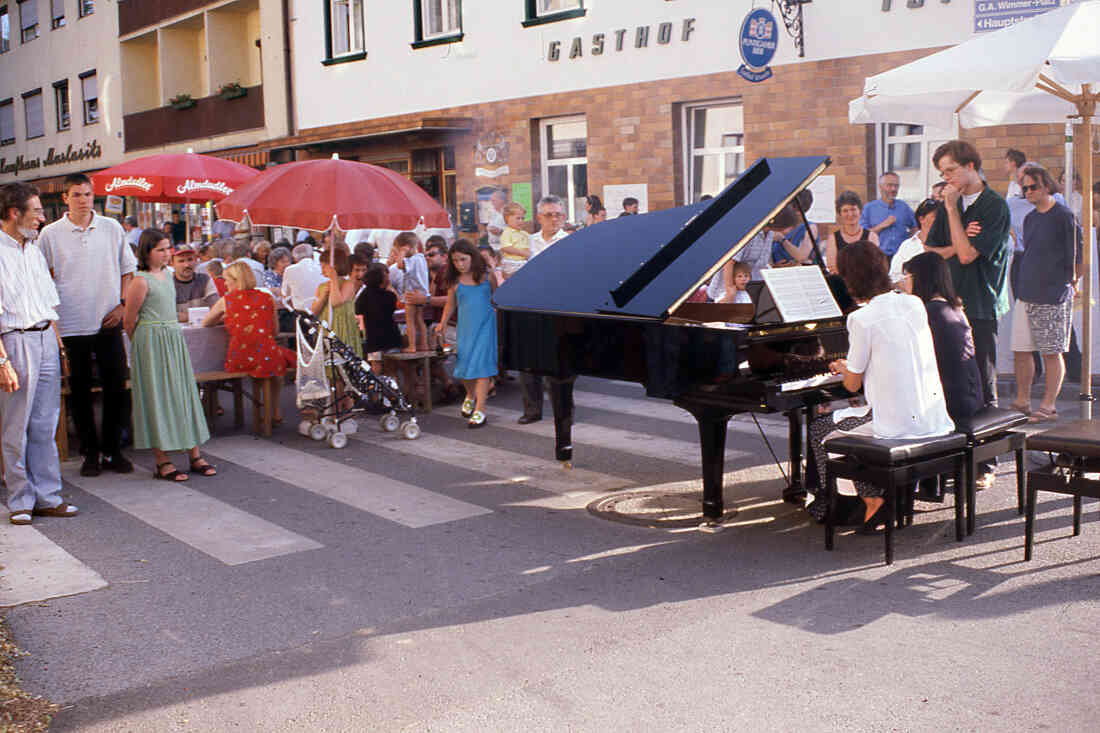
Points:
(613, 197)
(823, 210)
(521, 194)
(484, 203)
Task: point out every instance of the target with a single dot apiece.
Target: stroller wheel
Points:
(337, 440)
(390, 422)
(317, 431)
(410, 430)
(303, 427)
(349, 427)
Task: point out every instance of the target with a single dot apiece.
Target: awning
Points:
(251, 158)
(369, 131)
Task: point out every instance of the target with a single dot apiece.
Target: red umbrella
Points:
(177, 178)
(314, 194)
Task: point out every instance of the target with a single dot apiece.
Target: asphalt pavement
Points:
(459, 583)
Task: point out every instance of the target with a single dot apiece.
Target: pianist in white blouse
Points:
(892, 358)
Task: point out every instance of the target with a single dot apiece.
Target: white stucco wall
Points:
(500, 59)
(80, 45)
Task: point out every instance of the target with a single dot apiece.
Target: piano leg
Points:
(712, 439)
(795, 493)
(561, 401)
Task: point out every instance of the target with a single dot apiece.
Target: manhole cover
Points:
(656, 509)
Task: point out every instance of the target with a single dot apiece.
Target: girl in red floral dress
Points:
(252, 323)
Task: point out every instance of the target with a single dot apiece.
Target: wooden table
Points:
(413, 370)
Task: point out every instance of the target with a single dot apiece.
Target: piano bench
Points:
(1077, 445)
(895, 465)
(990, 433)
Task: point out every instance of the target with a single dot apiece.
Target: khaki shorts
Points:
(1040, 327)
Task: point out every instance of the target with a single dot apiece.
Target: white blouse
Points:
(27, 293)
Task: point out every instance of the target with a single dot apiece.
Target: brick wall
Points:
(634, 136)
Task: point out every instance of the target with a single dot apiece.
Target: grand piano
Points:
(611, 301)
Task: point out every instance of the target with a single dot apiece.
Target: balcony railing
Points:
(210, 116)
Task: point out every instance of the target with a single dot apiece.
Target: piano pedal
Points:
(710, 526)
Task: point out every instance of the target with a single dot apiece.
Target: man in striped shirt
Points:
(30, 368)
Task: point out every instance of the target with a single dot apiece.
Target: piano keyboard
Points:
(818, 380)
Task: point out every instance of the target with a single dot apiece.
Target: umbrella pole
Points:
(1087, 107)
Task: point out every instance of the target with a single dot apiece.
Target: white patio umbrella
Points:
(1043, 70)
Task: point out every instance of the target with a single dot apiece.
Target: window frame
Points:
(35, 26)
(54, 17)
(9, 103)
(83, 11)
(690, 151)
(27, 96)
(84, 98)
(58, 86)
(423, 40)
(5, 45)
(928, 138)
(568, 163)
(535, 17)
(352, 55)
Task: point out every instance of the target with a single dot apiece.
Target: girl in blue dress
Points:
(470, 289)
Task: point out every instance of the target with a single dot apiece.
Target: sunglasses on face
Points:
(1031, 187)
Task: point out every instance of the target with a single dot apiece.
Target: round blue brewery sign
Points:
(758, 40)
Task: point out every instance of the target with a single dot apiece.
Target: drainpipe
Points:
(290, 121)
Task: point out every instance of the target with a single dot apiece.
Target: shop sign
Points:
(491, 156)
(621, 38)
(758, 40)
(88, 151)
(991, 15)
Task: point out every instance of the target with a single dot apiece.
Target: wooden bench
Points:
(413, 370)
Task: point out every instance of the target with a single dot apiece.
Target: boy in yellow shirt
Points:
(514, 249)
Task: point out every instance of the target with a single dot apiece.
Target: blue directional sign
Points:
(992, 15)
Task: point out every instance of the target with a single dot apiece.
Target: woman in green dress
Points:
(335, 301)
(168, 414)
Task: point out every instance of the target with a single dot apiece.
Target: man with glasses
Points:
(550, 213)
(972, 233)
(888, 216)
(91, 266)
(30, 368)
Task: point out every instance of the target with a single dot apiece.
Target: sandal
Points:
(22, 517)
(1041, 414)
(1020, 408)
(174, 476)
(467, 407)
(477, 419)
(61, 510)
(204, 468)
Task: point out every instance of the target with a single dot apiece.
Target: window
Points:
(7, 122)
(57, 13)
(28, 20)
(548, 11)
(564, 147)
(437, 21)
(5, 30)
(61, 103)
(344, 31)
(91, 97)
(907, 150)
(32, 114)
(86, 7)
(715, 147)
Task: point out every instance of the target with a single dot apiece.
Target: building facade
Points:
(617, 97)
(60, 103)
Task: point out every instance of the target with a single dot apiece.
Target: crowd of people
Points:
(931, 283)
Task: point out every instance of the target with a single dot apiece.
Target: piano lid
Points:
(644, 266)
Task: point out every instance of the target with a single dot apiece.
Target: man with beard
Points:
(30, 369)
(193, 289)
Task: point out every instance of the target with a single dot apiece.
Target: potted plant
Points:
(232, 90)
(182, 101)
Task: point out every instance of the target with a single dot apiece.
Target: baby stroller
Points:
(319, 351)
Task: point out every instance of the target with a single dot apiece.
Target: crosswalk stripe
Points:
(36, 568)
(547, 475)
(381, 496)
(626, 441)
(213, 527)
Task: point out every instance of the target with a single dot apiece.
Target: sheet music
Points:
(801, 293)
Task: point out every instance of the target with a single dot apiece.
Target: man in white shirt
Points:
(496, 217)
(133, 232)
(30, 367)
(91, 266)
(1014, 163)
(550, 213)
(300, 280)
